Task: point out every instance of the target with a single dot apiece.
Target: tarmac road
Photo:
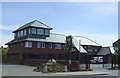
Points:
(60, 77)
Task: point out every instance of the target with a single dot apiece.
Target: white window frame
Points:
(28, 44)
(40, 45)
(58, 46)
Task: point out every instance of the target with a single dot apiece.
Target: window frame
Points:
(40, 45)
(40, 31)
(50, 45)
(58, 46)
(46, 32)
(28, 44)
(33, 31)
(25, 32)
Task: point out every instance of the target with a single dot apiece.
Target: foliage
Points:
(3, 51)
(51, 61)
(69, 49)
(117, 50)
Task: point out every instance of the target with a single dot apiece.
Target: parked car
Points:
(96, 60)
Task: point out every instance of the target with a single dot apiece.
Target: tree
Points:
(3, 51)
(117, 53)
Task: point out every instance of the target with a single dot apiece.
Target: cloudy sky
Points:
(95, 20)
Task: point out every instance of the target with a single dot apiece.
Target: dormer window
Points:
(40, 31)
(46, 32)
(18, 33)
(25, 32)
(21, 33)
(33, 30)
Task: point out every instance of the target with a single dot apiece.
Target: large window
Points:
(15, 34)
(21, 33)
(46, 32)
(58, 46)
(29, 30)
(40, 45)
(33, 30)
(40, 31)
(25, 31)
(28, 44)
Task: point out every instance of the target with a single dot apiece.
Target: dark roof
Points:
(106, 50)
(34, 23)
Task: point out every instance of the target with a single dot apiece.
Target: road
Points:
(23, 71)
(60, 77)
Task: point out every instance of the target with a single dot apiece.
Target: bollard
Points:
(65, 68)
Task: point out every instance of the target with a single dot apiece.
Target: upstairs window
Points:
(58, 46)
(90, 48)
(29, 30)
(46, 32)
(40, 45)
(15, 34)
(25, 31)
(21, 33)
(33, 30)
(18, 33)
(40, 31)
(28, 44)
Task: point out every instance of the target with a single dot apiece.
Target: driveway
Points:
(98, 67)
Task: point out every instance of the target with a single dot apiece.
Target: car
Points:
(96, 60)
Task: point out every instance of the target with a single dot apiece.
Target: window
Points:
(28, 44)
(50, 45)
(18, 33)
(90, 48)
(40, 45)
(46, 32)
(40, 31)
(24, 31)
(96, 49)
(15, 34)
(33, 30)
(21, 32)
(58, 46)
(29, 30)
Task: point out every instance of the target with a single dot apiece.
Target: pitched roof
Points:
(34, 23)
(55, 38)
(106, 50)
(84, 41)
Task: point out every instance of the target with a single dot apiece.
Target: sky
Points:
(97, 21)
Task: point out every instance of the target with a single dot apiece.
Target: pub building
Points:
(34, 44)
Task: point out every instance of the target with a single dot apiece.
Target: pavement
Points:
(23, 70)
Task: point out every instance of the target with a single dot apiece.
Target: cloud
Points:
(9, 27)
(106, 10)
(5, 38)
